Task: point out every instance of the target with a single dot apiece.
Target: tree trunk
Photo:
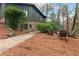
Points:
(67, 21)
(59, 16)
(75, 17)
(63, 21)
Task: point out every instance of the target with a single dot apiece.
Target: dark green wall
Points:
(33, 14)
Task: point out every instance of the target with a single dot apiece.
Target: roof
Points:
(39, 11)
(34, 6)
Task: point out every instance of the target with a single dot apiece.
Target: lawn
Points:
(45, 45)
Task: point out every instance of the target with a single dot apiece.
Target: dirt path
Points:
(13, 41)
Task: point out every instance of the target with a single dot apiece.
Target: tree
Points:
(63, 13)
(53, 16)
(75, 17)
(49, 7)
(67, 19)
(13, 16)
(59, 15)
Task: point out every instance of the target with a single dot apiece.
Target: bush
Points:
(43, 27)
(56, 26)
(13, 16)
(48, 27)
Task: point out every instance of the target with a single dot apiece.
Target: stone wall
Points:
(33, 25)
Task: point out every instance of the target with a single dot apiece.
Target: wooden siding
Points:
(33, 14)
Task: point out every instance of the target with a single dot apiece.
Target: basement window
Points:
(30, 25)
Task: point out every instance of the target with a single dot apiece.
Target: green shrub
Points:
(48, 27)
(13, 16)
(43, 27)
(56, 26)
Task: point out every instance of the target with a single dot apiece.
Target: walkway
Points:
(6, 44)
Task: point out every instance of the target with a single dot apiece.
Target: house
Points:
(34, 15)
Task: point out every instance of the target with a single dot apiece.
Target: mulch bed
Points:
(45, 45)
(4, 30)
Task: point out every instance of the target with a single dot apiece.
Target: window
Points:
(26, 13)
(25, 26)
(30, 25)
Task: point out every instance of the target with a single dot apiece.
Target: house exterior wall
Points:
(33, 24)
(33, 16)
(2, 8)
(32, 13)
